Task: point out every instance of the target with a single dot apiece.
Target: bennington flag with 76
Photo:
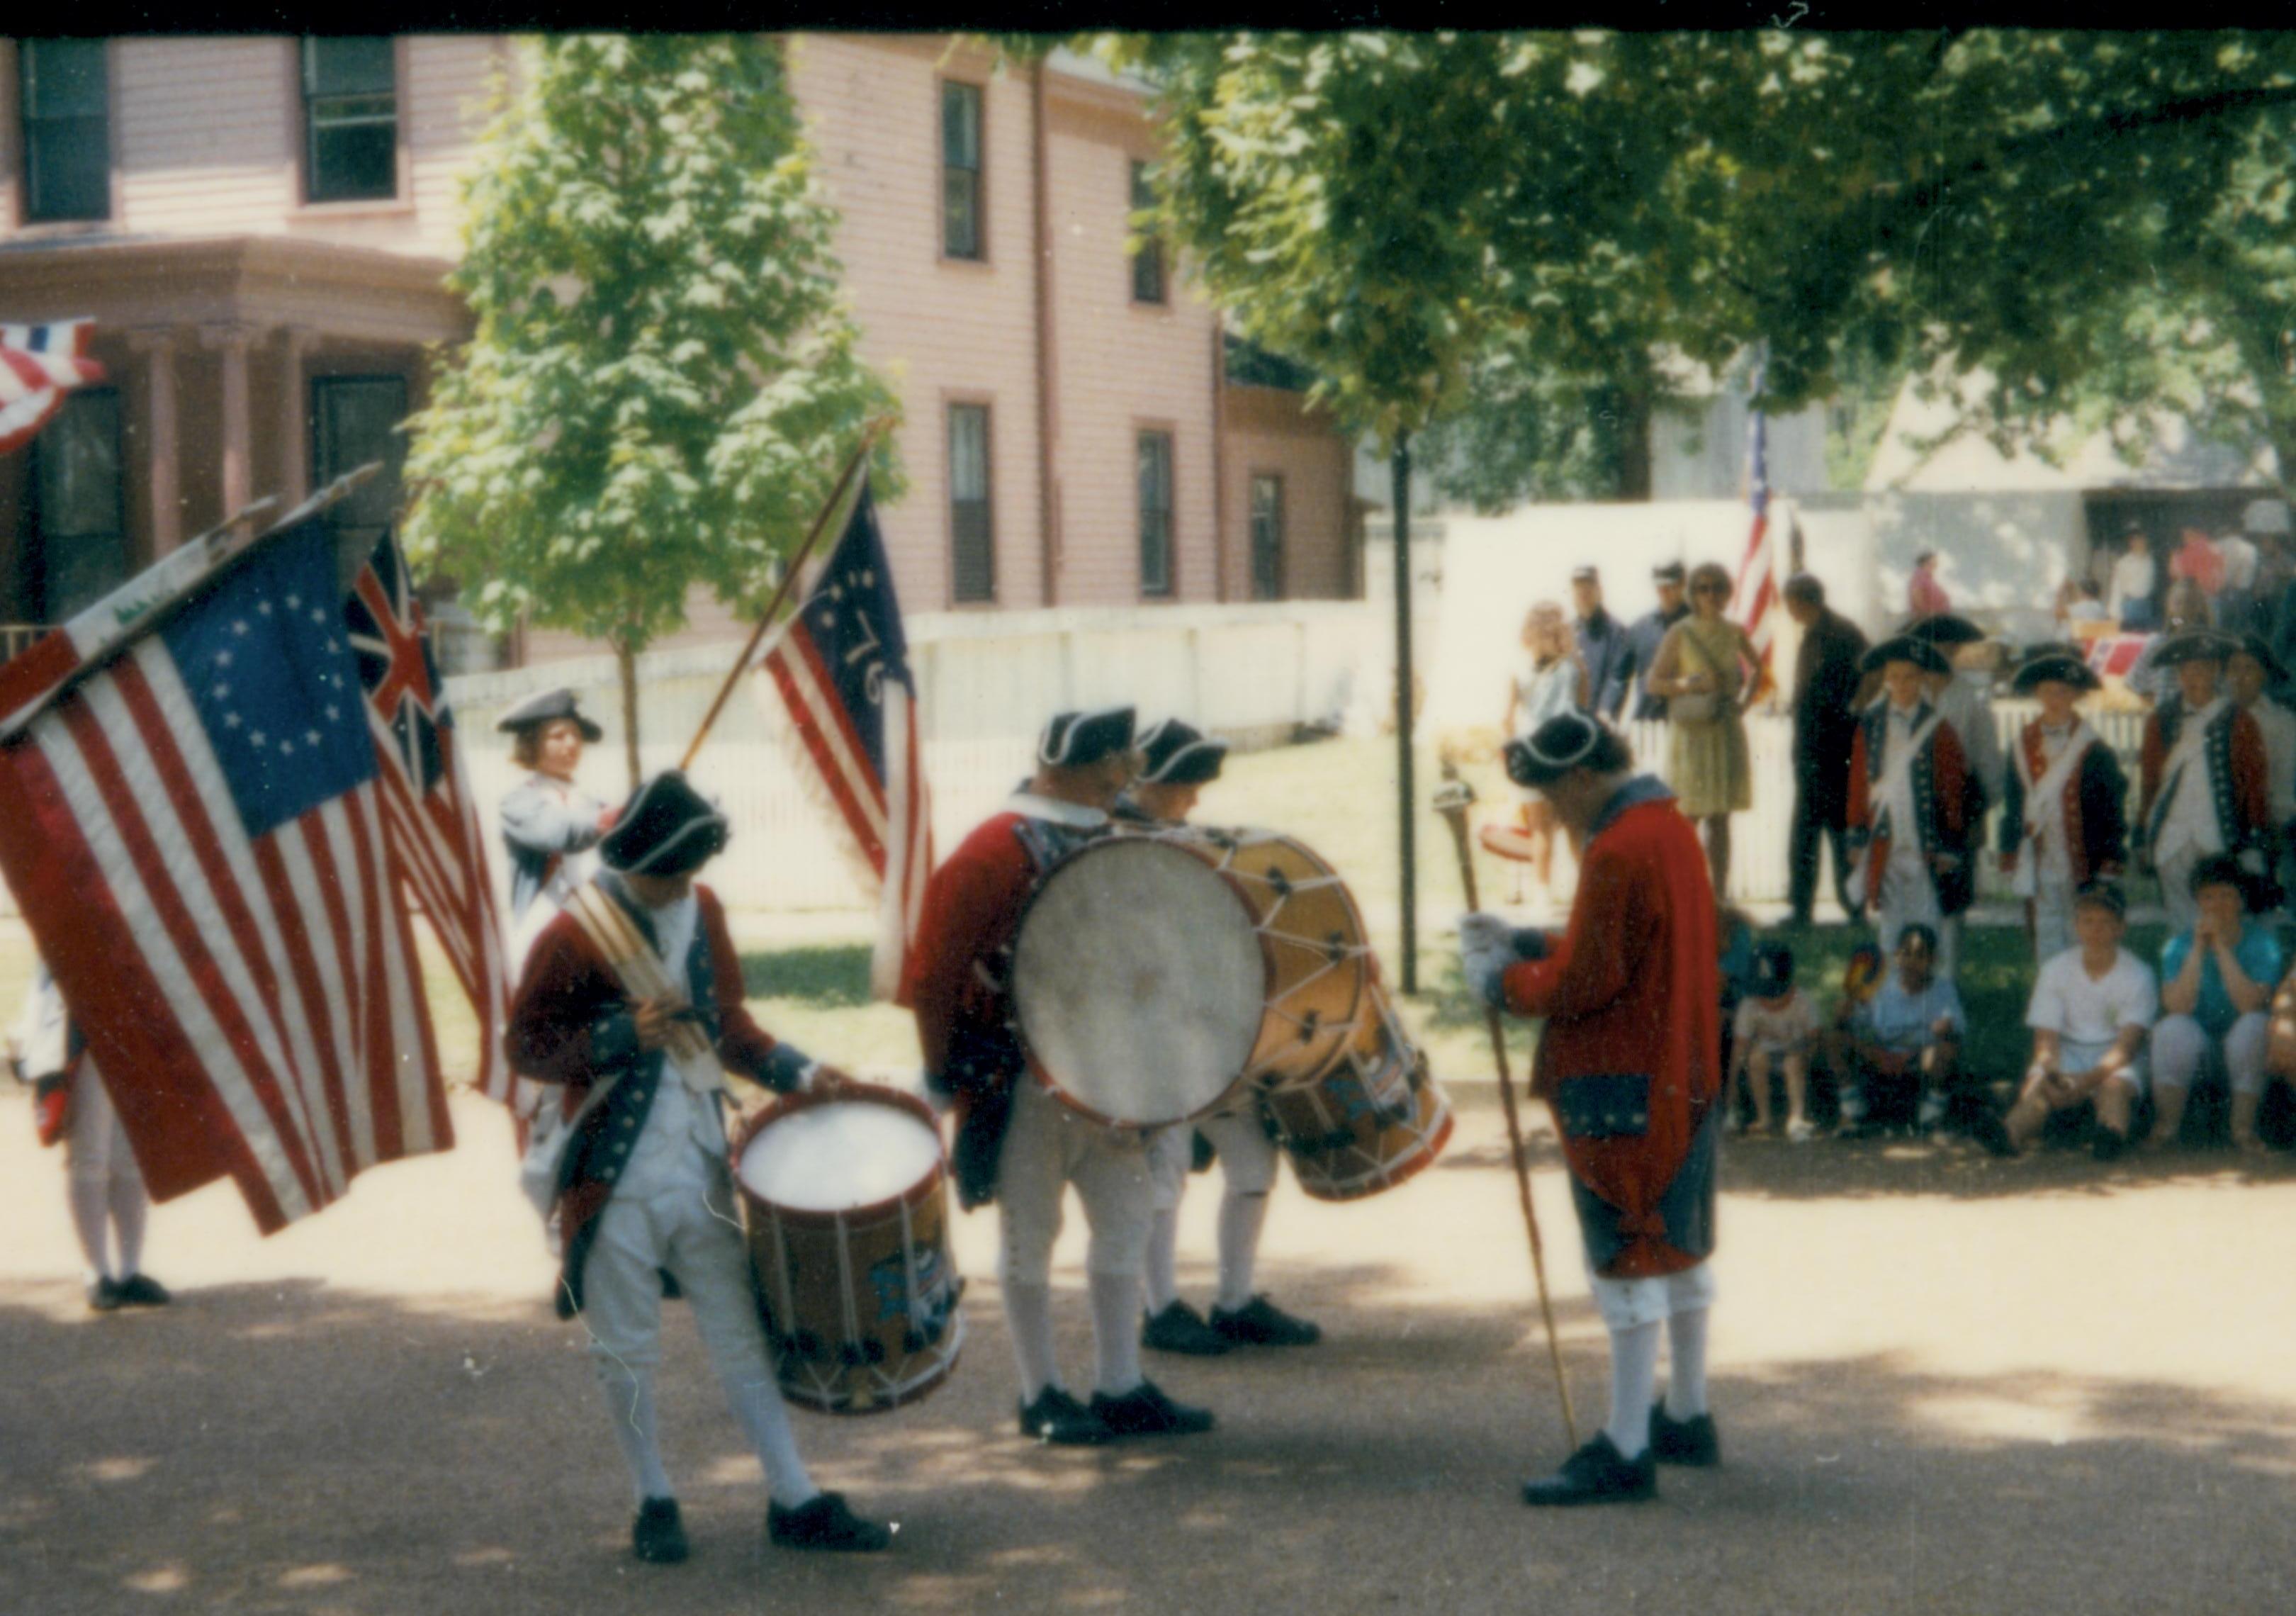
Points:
(194, 832)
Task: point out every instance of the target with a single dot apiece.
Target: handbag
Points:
(1705, 707)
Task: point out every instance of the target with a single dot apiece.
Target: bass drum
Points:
(1374, 1120)
(845, 1198)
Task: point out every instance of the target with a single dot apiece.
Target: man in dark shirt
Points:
(1643, 639)
(1602, 645)
(1825, 690)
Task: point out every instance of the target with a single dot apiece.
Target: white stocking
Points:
(1116, 1331)
(1686, 1376)
(1029, 1318)
(128, 1204)
(1634, 1381)
(630, 1406)
(765, 1418)
(1159, 1280)
(91, 1209)
(1241, 1219)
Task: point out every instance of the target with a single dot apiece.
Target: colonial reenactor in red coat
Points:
(2063, 819)
(1915, 808)
(1177, 761)
(1015, 1143)
(2202, 777)
(1630, 1064)
(644, 1191)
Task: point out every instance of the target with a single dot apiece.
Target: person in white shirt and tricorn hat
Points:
(2064, 815)
(1177, 761)
(548, 821)
(1015, 1143)
(2204, 775)
(642, 1189)
(1915, 812)
(2249, 673)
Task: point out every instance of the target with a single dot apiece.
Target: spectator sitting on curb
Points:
(1776, 1027)
(2216, 980)
(1910, 1034)
(2091, 1008)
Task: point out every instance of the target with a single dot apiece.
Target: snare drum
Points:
(846, 1201)
(1371, 1121)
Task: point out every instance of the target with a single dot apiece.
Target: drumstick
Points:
(1451, 801)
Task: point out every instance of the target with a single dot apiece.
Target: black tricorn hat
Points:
(537, 709)
(1946, 628)
(1565, 741)
(1174, 753)
(2194, 646)
(2254, 645)
(2065, 666)
(1077, 740)
(667, 828)
(1905, 648)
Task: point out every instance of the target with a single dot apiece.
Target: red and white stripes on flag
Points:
(1755, 589)
(429, 810)
(39, 365)
(839, 671)
(195, 833)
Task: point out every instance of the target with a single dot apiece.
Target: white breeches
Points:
(1626, 1304)
(697, 1238)
(1048, 1147)
(1247, 1157)
(96, 1150)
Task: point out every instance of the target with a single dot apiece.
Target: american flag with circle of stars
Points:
(195, 833)
(841, 671)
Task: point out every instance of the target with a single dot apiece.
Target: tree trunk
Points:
(626, 668)
(1635, 447)
(1400, 468)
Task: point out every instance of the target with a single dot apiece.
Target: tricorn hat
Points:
(1946, 628)
(2254, 645)
(537, 709)
(1565, 741)
(667, 828)
(2194, 646)
(2054, 663)
(1077, 740)
(1174, 753)
(1905, 648)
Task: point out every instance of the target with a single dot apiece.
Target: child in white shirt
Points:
(1775, 1028)
(2092, 1008)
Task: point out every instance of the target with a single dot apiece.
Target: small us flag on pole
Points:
(1755, 590)
(840, 669)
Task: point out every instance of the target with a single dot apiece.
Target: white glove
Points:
(1486, 949)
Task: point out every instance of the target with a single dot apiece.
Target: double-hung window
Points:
(1155, 463)
(972, 532)
(350, 120)
(960, 171)
(65, 92)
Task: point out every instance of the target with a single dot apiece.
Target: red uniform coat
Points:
(2239, 780)
(1631, 1060)
(1947, 801)
(570, 1025)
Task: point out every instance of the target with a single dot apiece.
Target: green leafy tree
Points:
(663, 382)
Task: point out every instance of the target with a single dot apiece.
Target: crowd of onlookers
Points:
(1904, 777)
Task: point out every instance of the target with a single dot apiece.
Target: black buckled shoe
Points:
(824, 1522)
(1597, 1473)
(1178, 1329)
(1692, 1442)
(103, 1296)
(1059, 1419)
(1146, 1412)
(1260, 1323)
(143, 1290)
(657, 1537)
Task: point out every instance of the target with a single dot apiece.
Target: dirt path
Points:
(1943, 1385)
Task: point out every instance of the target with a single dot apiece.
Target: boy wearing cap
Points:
(2092, 1007)
(1016, 1145)
(642, 1189)
(1777, 1026)
(2063, 822)
(1648, 633)
(2217, 979)
(1915, 810)
(2202, 777)
(1177, 761)
(1910, 1032)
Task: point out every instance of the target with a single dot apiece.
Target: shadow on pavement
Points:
(296, 1448)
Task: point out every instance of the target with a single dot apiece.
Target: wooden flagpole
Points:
(869, 435)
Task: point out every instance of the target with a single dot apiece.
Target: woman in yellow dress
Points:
(1701, 668)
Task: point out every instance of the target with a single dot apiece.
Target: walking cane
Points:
(1451, 800)
(869, 436)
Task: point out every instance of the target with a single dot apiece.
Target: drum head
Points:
(1139, 979)
(839, 1156)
